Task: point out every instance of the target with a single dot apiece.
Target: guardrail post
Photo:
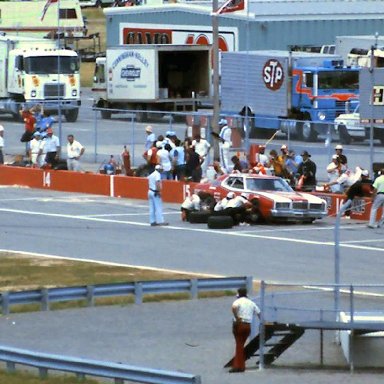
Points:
(11, 366)
(44, 300)
(249, 284)
(90, 296)
(119, 381)
(43, 373)
(80, 376)
(194, 289)
(5, 303)
(138, 293)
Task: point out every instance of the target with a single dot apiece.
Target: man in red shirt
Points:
(29, 124)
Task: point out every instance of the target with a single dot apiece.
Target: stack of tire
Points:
(213, 221)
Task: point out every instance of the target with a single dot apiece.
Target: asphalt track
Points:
(192, 336)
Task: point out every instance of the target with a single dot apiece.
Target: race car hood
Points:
(287, 197)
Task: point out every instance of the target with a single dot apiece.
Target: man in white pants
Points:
(74, 151)
(225, 144)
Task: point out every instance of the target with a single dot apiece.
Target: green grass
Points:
(18, 271)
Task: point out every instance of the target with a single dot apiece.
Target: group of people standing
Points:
(42, 145)
(179, 160)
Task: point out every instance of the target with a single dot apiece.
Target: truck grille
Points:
(52, 91)
(340, 108)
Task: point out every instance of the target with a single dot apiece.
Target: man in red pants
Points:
(243, 310)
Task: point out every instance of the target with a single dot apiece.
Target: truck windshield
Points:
(39, 65)
(339, 80)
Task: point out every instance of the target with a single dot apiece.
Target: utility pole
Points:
(216, 96)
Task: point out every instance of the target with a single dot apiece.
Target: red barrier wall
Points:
(136, 187)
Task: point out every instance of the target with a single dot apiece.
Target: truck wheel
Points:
(17, 117)
(71, 115)
(220, 222)
(263, 133)
(345, 138)
(298, 131)
(309, 132)
(199, 217)
(105, 114)
(141, 114)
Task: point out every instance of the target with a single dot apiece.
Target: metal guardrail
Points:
(82, 367)
(46, 296)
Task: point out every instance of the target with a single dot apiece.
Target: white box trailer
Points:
(34, 71)
(152, 78)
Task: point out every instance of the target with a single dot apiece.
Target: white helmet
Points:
(230, 195)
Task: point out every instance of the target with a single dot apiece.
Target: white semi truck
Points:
(35, 71)
(150, 77)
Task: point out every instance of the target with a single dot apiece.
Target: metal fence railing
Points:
(47, 296)
(84, 367)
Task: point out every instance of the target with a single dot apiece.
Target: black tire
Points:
(255, 215)
(220, 222)
(141, 113)
(262, 133)
(298, 132)
(71, 115)
(199, 217)
(345, 138)
(105, 114)
(378, 133)
(309, 132)
(17, 117)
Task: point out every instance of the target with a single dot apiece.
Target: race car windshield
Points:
(277, 185)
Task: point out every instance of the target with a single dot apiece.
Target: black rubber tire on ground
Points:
(220, 222)
(199, 217)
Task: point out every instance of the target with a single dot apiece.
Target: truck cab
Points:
(320, 94)
(34, 72)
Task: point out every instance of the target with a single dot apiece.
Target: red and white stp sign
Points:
(273, 74)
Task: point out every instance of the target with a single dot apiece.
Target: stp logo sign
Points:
(273, 74)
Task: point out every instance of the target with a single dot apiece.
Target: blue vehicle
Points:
(297, 92)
